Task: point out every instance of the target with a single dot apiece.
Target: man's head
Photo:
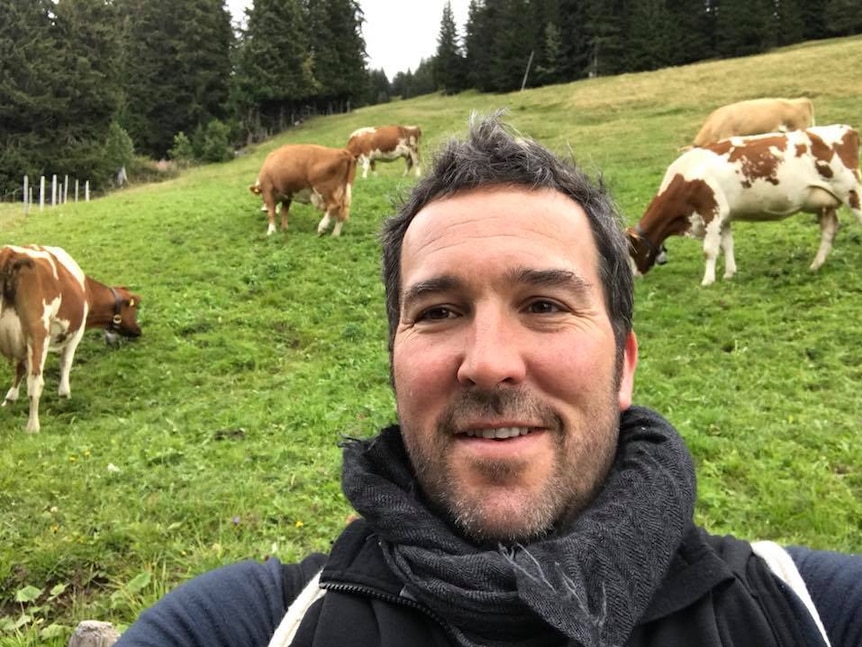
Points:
(509, 298)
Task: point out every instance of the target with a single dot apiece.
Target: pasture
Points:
(213, 438)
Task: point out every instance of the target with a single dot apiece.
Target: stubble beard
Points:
(582, 458)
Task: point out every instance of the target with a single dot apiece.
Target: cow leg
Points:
(269, 206)
(711, 242)
(67, 354)
(284, 212)
(336, 231)
(828, 229)
(366, 162)
(12, 394)
(323, 225)
(727, 247)
(36, 354)
(853, 203)
(339, 213)
(408, 164)
(373, 165)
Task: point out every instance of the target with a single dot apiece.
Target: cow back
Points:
(296, 167)
(42, 284)
(756, 116)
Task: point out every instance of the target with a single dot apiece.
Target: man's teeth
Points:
(503, 432)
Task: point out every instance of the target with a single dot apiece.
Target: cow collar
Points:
(653, 247)
(114, 324)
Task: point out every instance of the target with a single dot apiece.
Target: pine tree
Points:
(550, 68)
(844, 17)
(743, 27)
(176, 70)
(449, 65)
(650, 36)
(379, 88)
(787, 22)
(511, 46)
(30, 71)
(692, 31)
(605, 37)
(577, 42)
(338, 50)
(478, 43)
(814, 19)
(275, 66)
(90, 91)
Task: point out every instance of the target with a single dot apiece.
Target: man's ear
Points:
(627, 371)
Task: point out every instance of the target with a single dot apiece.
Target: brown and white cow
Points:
(756, 116)
(756, 178)
(46, 303)
(386, 143)
(310, 174)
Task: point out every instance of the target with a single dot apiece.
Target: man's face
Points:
(504, 361)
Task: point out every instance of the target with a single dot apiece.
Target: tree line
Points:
(507, 43)
(88, 87)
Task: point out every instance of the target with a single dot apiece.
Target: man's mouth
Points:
(499, 434)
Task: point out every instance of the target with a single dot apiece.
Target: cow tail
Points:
(351, 176)
(10, 267)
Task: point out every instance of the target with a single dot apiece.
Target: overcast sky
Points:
(398, 33)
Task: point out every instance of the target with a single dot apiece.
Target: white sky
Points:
(398, 33)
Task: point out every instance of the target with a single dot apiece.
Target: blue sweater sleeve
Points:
(239, 605)
(834, 581)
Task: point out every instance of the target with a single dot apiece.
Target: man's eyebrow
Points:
(550, 278)
(429, 286)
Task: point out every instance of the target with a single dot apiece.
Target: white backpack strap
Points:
(781, 564)
(289, 625)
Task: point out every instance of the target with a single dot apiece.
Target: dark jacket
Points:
(717, 593)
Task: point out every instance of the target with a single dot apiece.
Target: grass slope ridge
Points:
(214, 437)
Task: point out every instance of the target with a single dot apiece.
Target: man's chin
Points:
(505, 521)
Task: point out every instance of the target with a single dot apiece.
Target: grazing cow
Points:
(386, 143)
(46, 303)
(307, 173)
(757, 178)
(756, 116)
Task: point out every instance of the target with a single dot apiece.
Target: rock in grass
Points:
(94, 633)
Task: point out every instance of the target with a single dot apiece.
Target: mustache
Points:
(508, 403)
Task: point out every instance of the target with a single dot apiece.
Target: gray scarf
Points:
(590, 581)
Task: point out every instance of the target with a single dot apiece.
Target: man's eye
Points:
(437, 313)
(543, 306)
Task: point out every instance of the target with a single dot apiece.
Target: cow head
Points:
(125, 320)
(643, 253)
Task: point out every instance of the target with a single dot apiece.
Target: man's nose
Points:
(492, 352)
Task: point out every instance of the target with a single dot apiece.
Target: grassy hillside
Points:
(213, 437)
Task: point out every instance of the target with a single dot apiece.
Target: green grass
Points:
(213, 438)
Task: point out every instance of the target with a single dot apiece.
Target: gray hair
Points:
(493, 154)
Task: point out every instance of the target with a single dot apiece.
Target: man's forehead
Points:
(500, 220)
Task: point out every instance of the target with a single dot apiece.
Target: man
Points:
(522, 500)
